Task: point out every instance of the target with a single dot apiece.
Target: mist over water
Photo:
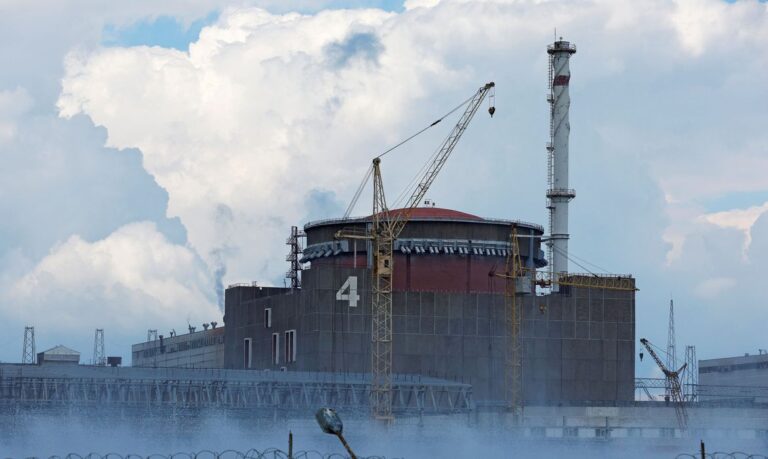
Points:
(44, 435)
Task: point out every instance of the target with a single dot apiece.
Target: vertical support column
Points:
(559, 194)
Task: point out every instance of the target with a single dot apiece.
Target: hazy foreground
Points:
(40, 435)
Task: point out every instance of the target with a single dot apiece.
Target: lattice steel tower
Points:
(98, 348)
(28, 354)
(691, 374)
(559, 193)
(671, 345)
(151, 335)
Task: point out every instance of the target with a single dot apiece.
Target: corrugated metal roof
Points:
(60, 350)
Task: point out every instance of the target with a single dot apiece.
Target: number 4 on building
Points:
(348, 292)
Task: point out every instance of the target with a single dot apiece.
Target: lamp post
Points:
(331, 423)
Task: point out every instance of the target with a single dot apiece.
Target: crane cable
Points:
(434, 123)
(569, 255)
(369, 172)
(358, 192)
(561, 252)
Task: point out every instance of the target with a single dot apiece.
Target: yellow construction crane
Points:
(519, 280)
(386, 227)
(514, 272)
(673, 382)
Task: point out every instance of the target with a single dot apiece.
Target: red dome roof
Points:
(437, 212)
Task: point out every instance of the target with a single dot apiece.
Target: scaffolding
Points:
(293, 274)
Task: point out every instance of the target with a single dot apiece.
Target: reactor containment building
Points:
(448, 314)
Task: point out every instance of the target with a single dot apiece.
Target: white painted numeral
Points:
(350, 286)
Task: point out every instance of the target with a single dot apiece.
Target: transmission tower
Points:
(293, 258)
(691, 373)
(671, 345)
(28, 353)
(151, 335)
(98, 348)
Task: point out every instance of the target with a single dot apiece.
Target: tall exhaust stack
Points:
(559, 193)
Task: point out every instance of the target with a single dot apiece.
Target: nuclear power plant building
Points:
(447, 314)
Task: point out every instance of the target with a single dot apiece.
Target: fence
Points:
(271, 453)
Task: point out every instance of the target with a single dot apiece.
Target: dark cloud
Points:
(363, 45)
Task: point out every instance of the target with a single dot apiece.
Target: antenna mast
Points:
(671, 345)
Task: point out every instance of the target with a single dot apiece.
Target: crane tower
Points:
(559, 194)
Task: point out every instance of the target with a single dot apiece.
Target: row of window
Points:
(736, 367)
(288, 354)
(178, 347)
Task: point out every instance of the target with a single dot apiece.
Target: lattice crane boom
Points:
(399, 219)
(673, 381)
(386, 227)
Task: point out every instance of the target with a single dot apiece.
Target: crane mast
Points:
(386, 227)
(673, 382)
(513, 369)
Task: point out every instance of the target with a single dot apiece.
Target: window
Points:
(290, 346)
(247, 354)
(268, 318)
(275, 348)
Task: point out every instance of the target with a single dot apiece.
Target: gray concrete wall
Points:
(202, 349)
(577, 346)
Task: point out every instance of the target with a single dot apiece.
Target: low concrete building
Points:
(202, 349)
(59, 355)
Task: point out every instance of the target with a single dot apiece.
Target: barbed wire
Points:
(270, 453)
(722, 455)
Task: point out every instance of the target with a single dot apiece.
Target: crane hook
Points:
(492, 101)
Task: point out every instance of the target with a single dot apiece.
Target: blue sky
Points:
(163, 31)
(114, 153)
(171, 32)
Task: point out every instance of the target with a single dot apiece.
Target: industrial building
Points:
(59, 355)
(448, 314)
(196, 349)
(734, 378)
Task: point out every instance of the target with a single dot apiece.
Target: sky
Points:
(153, 152)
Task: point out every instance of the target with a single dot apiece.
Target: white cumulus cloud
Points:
(134, 278)
(263, 109)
